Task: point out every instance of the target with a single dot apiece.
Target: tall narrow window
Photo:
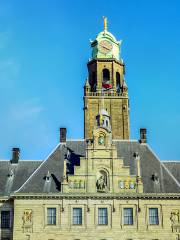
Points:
(106, 75)
(93, 82)
(5, 219)
(118, 81)
(128, 216)
(102, 216)
(77, 216)
(51, 216)
(153, 216)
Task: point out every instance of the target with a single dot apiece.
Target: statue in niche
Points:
(101, 182)
(175, 221)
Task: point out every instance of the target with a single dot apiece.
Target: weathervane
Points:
(105, 23)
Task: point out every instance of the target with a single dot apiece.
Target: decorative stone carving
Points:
(175, 220)
(27, 221)
(101, 183)
(77, 184)
(127, 184)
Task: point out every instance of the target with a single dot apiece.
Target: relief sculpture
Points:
(175, 220)
(27, 221)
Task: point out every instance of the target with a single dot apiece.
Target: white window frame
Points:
(70, 215)
(109, 214)
(57, 207)
(79, 218)
(160, 215)
(121, 216)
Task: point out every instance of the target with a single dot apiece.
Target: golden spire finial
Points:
(105, 23)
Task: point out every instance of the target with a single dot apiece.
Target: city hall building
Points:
(103, 187)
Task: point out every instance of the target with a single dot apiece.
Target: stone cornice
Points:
(95, 196)
(105, 60)
(5, 199)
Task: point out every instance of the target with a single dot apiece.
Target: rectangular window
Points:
(102, 216)
(128, 216)
(153, 216)
(51, 216)
(5, 219)
(77, 216)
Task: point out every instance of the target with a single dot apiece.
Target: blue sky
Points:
(44, 48)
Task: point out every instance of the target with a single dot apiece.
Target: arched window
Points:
(118, 80)
(106, 75)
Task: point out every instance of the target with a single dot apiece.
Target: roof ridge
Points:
(125, 140)
(35, 160)
(44, 161)
(75, 140)
(171, 161)
(167, 170)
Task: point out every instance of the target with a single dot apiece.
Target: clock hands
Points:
(105, 47)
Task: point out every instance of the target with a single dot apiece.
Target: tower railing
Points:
(105, 94)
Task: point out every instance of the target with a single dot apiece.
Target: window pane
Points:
(102, 216)
(51, 216)
(153, 216)
(77, 216)
(128, 216)
(5, 219)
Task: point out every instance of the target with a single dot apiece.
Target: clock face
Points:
(101, 140)
(105, 46)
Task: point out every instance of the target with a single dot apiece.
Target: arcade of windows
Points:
(77, 216)
(105, 80)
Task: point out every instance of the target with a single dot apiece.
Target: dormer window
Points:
(48, 177)
(11, 174)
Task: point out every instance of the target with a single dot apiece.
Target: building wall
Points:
(38, 229)
(117, 108)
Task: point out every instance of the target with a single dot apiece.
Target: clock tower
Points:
(105, 86)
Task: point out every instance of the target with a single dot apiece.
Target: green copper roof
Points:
(106, 34)
(105, 46)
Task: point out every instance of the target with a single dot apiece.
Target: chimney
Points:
(15, 155)
(143, 138)
(63, 132)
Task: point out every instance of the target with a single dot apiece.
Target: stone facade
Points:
(115, 229)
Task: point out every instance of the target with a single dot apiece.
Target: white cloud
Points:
(26, 110)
